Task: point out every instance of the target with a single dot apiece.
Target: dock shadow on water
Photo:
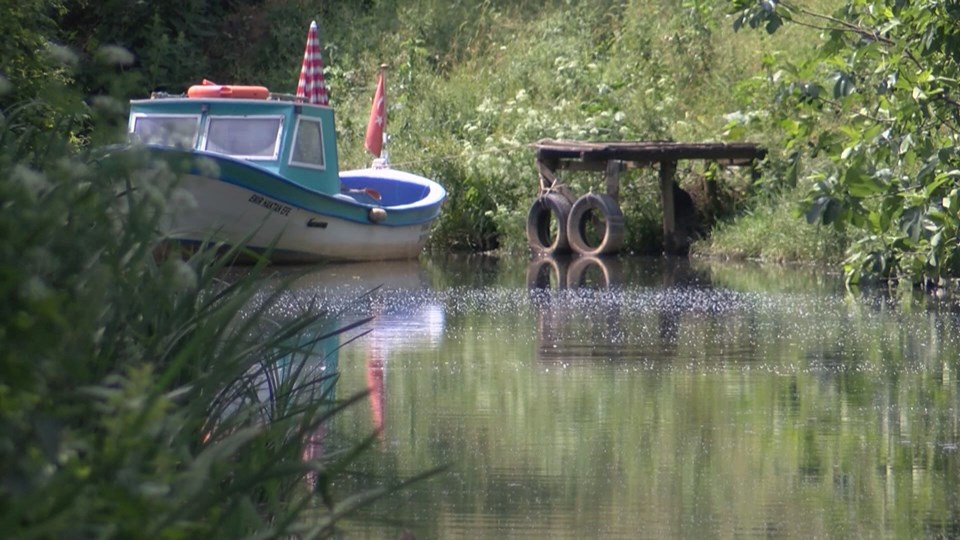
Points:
(646, 398)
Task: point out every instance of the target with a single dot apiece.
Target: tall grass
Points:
(774, 231)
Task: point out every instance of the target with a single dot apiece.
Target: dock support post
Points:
(710, 187)
(613, 179)
(668, 170)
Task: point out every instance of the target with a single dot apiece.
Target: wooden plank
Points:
(710, 187)
(572, 147)
(547, 175)
(655, 151)
(591, 166)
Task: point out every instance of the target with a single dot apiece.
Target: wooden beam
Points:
(549, 181)
(713, 195)
(668, 170)
(616, 156)
(548, 177)
(571, 165)
(656, 151)
(613, 179)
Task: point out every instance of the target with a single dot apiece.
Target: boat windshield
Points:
(248, 137)
(178, 131)
(308, 144)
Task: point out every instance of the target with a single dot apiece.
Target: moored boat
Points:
(263, 171)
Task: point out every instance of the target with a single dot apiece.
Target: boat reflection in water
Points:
(368, 290)
(307, 372)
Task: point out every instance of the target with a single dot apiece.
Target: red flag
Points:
(378, 119)
(312, 87)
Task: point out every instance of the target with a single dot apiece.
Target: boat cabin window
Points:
(249, 137)
(178, 131)
(308, 144)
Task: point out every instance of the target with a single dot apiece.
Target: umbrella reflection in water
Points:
(415, 322)
(394, 331)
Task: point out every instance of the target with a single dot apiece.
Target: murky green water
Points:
(647, 399)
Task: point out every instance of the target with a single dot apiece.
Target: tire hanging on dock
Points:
(583, 215)
(545, 208)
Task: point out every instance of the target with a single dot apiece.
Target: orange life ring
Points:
(212, 90)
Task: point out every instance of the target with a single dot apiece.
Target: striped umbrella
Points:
(312, 87)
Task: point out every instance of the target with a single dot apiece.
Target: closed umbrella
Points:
(312, 87)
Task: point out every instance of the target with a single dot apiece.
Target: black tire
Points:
(594, 272)
(542, 211)
(545, 272)
(584, 215)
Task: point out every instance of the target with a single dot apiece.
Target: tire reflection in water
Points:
(594, 272)
(579, 307)
(576, 280)
(547, 273)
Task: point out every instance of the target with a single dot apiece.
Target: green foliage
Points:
(23, 62)
(520, 75)
(471, 82)
(514, 74)
(878, 99)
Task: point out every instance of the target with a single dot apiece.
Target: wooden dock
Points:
(576, 216)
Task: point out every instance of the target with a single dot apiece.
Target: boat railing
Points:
(286, 97)
(274, 96)
(166, 95)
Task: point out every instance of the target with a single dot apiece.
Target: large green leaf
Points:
(861, 184)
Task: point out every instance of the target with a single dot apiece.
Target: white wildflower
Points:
(115, 56)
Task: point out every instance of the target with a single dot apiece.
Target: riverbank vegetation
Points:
(471, 84)
(853, 100)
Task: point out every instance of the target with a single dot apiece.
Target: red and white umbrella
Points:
(312, 86)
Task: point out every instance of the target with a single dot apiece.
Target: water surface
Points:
(645, 398)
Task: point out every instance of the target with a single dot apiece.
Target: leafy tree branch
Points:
(891, 129)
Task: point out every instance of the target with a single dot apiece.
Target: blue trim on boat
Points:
(386, 181)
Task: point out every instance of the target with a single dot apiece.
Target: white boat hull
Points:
(224, 212)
